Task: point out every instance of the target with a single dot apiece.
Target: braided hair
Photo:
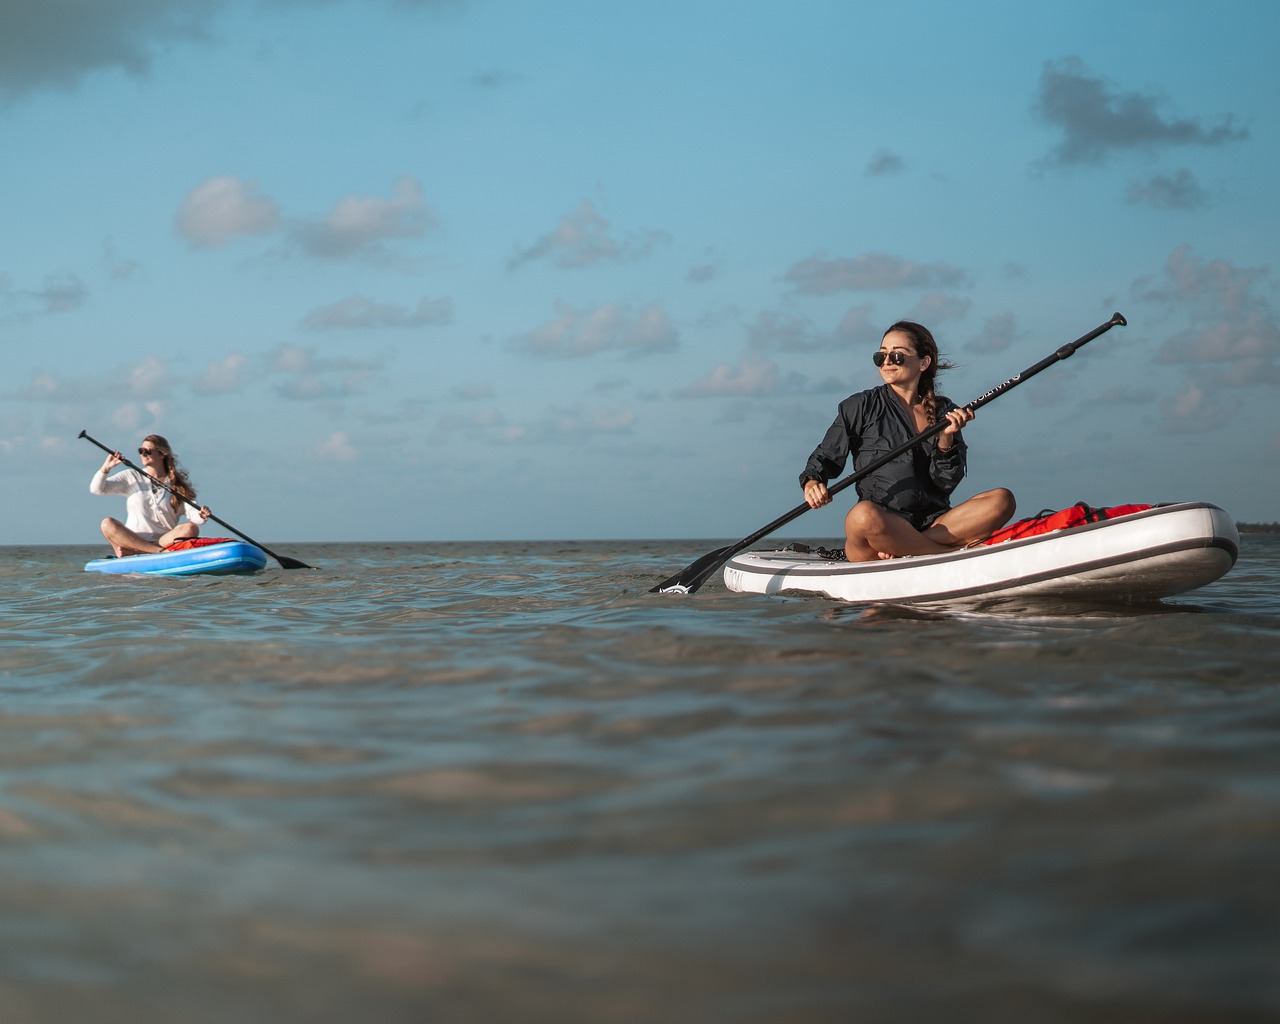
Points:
(174, 474)
(922, 341)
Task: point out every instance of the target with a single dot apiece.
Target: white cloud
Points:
(45, 387)
(751, 376)
(1230, 341)
(357, 312)
(998, 334)
(224, 207)
(138, 418)
(583, 239)
(576, 424)
(935, 308)
(1232, 337)
(573, 424)
(222, 377)
(575, 334)
(875, 271)
(1198, 410)
(650, 331)
(307, 376)
(1213, 286)
(1125, 396)
(220, 208)
(786, 331)
(337, 447)
(360, 224)
(484, 426)
(149, 378)
(473, 392)
(49, 445)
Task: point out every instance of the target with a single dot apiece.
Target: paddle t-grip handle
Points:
(1117, 320)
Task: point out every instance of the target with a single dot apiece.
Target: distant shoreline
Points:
(1258, 527)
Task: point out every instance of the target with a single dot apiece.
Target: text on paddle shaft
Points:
(999, 389)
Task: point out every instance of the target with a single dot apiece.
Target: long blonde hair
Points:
(174, 475)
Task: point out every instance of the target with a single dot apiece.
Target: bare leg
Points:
(872, 531)
(973, 520)
(125, 542)
(183, 531)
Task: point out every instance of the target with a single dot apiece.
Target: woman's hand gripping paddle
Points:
(285, 562)
(689, 579)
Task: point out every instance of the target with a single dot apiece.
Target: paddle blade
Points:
(291, 563)
(692, 576)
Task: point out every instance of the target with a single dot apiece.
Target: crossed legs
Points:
(871, 531)
(124, 541)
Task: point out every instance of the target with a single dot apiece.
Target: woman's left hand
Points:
(956, 419)
(204, 513)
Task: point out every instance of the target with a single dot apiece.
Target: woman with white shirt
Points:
(152, 513)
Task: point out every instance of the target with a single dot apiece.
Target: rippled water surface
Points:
(490, 783)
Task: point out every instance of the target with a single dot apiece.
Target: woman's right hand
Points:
(815, 493)
(113, 460)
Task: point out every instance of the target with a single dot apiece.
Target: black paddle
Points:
(285, 562)
(688, 580)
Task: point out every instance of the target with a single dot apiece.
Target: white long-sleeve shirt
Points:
(150, 515)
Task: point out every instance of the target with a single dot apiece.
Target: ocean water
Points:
(502, 782)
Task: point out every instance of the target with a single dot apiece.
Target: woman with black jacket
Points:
(904, 507)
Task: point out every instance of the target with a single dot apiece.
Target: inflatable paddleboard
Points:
(229, 558)
(1133, 559)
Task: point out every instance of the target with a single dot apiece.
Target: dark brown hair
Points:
(922, 341)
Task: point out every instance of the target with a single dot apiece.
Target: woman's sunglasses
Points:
(894, 358)
(157, 451)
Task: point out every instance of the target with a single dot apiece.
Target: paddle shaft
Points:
(1064, 352)
(285, 562)
(697, 572)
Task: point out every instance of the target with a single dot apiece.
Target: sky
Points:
(435, 270)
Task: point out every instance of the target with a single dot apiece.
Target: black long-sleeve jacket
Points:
(871, 423)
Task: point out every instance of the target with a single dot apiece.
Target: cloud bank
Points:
(611, 327)
(875, 271)
(583, 238)
(1096, 119)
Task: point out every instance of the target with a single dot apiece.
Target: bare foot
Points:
(884, 554)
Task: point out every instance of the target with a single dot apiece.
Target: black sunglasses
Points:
(895, 358)
(157, 451)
